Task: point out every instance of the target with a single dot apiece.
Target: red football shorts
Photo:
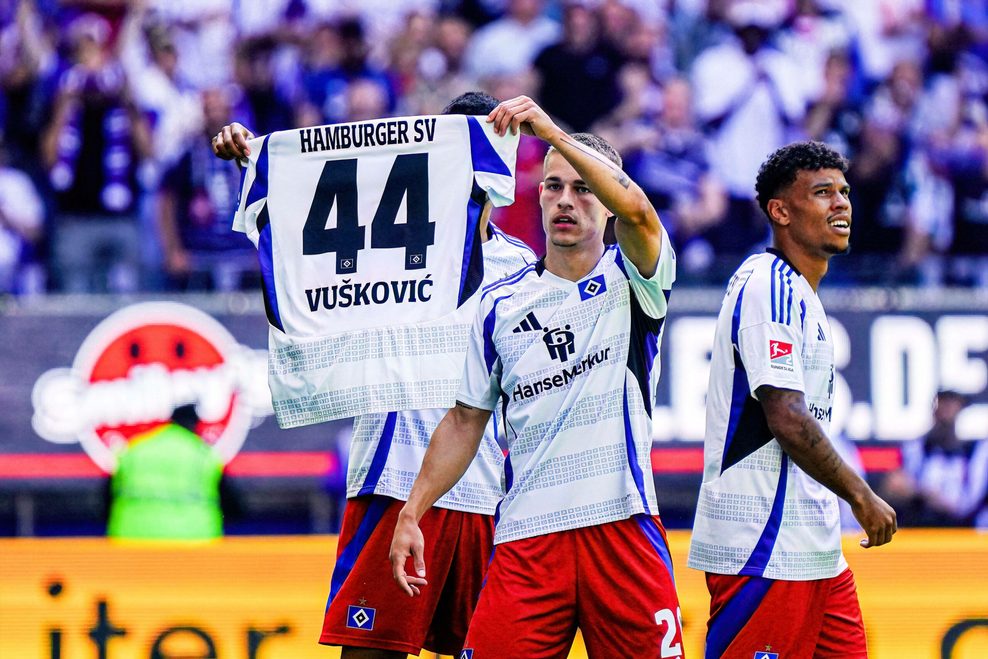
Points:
(613, 581)
(755, 617)
(367, 609)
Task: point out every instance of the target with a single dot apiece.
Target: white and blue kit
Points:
(759, 514)
(366, 258)
(386, 451)
(571, 367)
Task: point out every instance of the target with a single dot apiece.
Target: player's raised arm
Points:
(638, 229)
(802, 438)
(452, 447)
(231, 142)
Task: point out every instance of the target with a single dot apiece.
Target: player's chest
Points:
(560, 326)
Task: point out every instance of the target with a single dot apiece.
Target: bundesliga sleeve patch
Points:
(360, 617)
(780, 354)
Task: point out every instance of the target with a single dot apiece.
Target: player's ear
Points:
(778, 212)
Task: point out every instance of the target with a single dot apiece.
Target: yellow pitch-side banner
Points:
(925, 595)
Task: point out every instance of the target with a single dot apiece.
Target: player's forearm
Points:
(805, 442)
(451, 449)
(609, 183)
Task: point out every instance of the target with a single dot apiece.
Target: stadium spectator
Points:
(835, 116)
(339, 57)
(27, 58)
(749, 100)
(92, 149)
(671, 165)
(578, 74)
(205, 33)
(197, 198)
(167, 484)
(509, 45)
(21, 230)
(440, 74)
(263, 101)
(944, 479)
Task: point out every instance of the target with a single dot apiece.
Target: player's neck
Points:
(572, 262)
(811, 266)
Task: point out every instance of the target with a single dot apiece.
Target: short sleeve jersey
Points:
(759, 514)
(386, 451)
(571, 366)
(367, 239)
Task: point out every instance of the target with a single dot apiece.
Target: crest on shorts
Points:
(360, 617)
(467, 653)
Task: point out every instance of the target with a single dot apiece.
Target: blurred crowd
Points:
(107, 181)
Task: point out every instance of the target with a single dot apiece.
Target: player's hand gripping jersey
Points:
(572, 365)
(367, 238)
(758, 513)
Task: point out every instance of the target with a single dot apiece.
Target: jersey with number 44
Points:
(368, 245)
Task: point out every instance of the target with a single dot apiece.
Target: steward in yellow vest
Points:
(167, 485)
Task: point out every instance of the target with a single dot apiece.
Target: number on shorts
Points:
(672, 623)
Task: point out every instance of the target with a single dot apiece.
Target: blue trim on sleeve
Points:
(259, 188)
(484, 157)
(265, 259)
(380, 455)
(762, 552)
(772, 282)
(731, 619)
(348, 557)
(472, 264)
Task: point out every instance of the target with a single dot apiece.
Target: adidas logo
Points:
(528, 324)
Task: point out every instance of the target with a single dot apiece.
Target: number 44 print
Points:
(409, 180)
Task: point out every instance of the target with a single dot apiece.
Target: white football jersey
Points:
(758, 513)
(386, 451)
(367, 238)
(571, 365)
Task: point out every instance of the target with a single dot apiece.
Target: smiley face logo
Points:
(137, 366)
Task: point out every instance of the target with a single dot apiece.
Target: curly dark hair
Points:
(780, 169)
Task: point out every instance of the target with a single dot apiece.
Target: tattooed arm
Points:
(807, 445)
(637, 228)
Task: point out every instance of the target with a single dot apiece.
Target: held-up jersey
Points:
(386, 451)
(758, 513)
(367, 239)
(571, 366)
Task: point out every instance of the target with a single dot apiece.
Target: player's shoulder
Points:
(767, 270)
(508, 244)
(509, 284)
(771, 288)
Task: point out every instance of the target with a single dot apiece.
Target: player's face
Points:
(820, 217)
(571, 213)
